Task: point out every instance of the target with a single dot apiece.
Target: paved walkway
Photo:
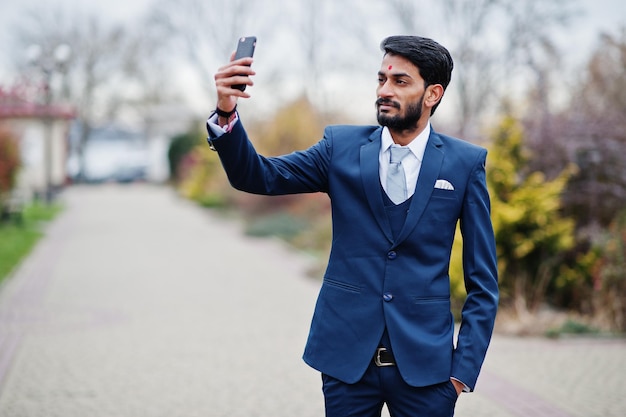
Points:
(138, 303)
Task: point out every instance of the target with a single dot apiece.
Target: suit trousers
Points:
(381, 385)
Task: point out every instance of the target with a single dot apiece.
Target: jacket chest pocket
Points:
(443, 207)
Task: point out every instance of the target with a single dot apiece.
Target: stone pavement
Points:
(139, 303)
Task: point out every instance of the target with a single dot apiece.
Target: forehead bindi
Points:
(398, 64)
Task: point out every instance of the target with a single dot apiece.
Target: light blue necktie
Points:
(396, 180)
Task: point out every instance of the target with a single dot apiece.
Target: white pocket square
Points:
(444, 185)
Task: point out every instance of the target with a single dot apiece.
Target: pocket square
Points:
(444, 185)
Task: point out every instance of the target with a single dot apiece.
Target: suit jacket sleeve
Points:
(481, 278)
(299, 172)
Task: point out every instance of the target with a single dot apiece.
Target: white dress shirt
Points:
(411, 163)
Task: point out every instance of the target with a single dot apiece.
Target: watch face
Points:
(210, 142)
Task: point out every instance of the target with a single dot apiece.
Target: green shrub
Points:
(282, 225)
(572, 327)
(180, 147)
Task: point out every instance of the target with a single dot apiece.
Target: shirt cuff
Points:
(215, 131)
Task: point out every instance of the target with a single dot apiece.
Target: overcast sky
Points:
(11, 10)
(597, 16)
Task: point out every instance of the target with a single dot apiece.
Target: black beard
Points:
(400, 122)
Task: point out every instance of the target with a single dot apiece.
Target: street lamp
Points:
(48, 61)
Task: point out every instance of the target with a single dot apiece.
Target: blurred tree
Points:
(205, 31)
(532, 48)
(90, 79)
(96, 65)
(590, 132)
(180, 147)
(495, 44)
(149, 69)
(312, 37)
(332, 52)
(610, 278)
(531, 234)
(596, 138)
(305, 216)
(466, 22)
(533, 60)
(407, 14)
(457, 284)
(296, 126)
(201, 177)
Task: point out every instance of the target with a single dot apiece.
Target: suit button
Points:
(387, 296)
(392, 255)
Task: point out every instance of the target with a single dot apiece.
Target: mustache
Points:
(387, 102)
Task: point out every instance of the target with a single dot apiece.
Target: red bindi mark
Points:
(390, 67)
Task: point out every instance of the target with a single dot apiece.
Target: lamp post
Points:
(48, 62)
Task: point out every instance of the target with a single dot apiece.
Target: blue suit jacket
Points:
(373, 281)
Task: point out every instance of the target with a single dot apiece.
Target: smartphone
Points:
(245, 48)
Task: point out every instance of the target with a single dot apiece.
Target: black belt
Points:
(384, 357)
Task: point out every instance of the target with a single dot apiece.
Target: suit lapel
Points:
(371, 181)
(429, 172)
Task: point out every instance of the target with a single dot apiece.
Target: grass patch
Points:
(17, 238)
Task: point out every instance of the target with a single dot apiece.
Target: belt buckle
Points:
(377, 360)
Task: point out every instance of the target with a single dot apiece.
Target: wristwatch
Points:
(211, 134)
(228, 115)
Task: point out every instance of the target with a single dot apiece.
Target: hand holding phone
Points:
(245, 48)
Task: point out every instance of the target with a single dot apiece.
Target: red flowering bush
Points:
(9, 160)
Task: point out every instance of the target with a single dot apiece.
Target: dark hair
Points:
(432, 60)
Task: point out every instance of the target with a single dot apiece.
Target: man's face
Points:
(400, 93)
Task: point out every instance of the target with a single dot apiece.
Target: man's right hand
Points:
(235, 72)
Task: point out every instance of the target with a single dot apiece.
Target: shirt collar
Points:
(417, 145)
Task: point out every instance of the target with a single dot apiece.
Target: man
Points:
(382, 330)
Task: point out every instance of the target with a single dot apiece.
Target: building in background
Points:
(42, 131)
(111, 154)
(114, 153)
(48, 138)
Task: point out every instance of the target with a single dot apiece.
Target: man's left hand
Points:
(458, 386)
